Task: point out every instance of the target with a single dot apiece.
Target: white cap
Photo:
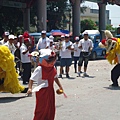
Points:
(11, 37)
(51, 37)
(67, 35)
(44, 32)
(20, 36)
(62, 36)
(15, 37)
(6, 33)
(76, 38)
(85, 33)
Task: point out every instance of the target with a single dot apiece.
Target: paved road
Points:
(88, 98)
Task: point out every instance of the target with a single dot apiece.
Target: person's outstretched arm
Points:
(58, 83)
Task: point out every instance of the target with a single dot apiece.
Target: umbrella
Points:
(57, 33)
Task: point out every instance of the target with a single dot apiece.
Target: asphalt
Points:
(88, 98)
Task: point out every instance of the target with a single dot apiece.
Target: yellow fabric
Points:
(111, 56)
(8, 72)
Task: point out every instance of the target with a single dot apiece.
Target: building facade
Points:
(93, 14)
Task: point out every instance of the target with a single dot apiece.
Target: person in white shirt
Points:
(51, 46)
(86, 46)
(76, 53)
(62, 39)
(25, 59)
(43, 41)
(10, 44)
(5, 39)
(45, 75)
(66, 58)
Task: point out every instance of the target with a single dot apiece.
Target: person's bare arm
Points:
(58, 83)
(26, 50)
(30, 87)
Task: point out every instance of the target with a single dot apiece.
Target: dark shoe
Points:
(67, 76)
(114, 85)
(62, 71)
(81, 72)
(60, 76)
(25, 90)
(24, 83)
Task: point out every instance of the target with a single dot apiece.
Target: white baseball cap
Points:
(62, 36)
(67, 35)
(76, 38)
(43, 32)
(51, 37)
(85, 33)
(11, 37)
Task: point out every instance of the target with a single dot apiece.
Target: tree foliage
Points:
(88, 24)
(56, 14)
(10, 19)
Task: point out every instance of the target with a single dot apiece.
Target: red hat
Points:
(104, 42)
(26, 35)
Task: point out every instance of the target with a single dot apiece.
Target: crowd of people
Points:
(21, 46)
(45, 72)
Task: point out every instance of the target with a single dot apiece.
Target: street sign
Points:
(8, 3)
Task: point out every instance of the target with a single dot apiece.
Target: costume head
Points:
(108, 34)
(112, 46)
(8, 77)
(109, 43)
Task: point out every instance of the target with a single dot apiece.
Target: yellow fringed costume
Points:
(112, 46)
(111, 55)
(8, 77)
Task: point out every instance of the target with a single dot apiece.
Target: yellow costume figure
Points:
(8, 77)
(112, 46)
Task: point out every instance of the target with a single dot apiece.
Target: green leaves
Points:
(88, 24)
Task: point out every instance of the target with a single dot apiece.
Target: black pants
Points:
(115, 73)
(83, 58)
(26, 72)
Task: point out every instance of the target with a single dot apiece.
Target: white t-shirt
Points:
(65, 53)
(2, 42)
(86, 44)
(24, 57)
(37, 75)
(11, 47)
(77, 50)
(53, 48)
(43, 43)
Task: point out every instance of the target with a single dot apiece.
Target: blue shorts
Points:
(76, 58)
(65, 62)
